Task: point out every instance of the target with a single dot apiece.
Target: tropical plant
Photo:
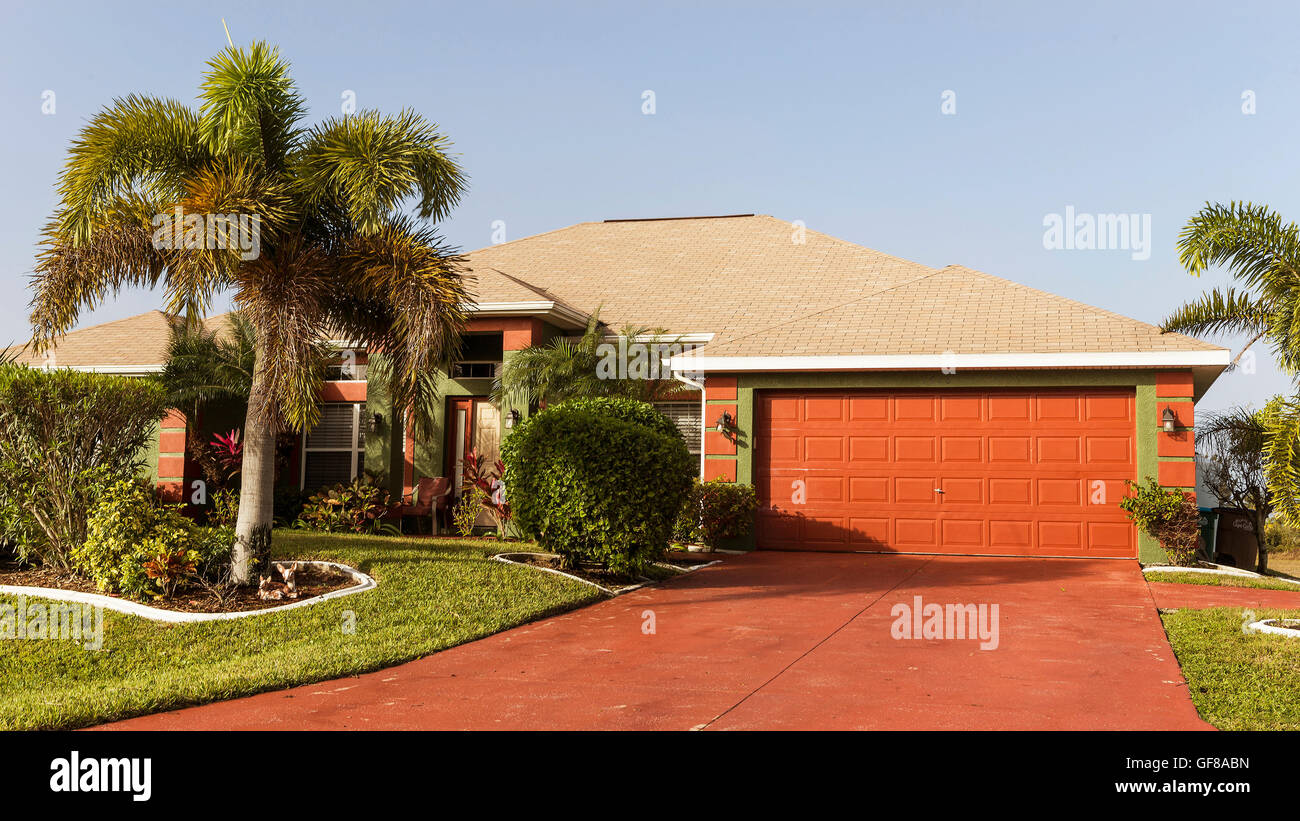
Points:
(599, 480)
(358, 506)
(206, 364)
(305, 225)
(491, 488)
(1262, 253)
(571, 369)
(1170, 516)
(64, 435)
(1230, 450)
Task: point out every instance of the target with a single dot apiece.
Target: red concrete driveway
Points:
(782, 641)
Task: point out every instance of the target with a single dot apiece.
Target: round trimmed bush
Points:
(598, 480)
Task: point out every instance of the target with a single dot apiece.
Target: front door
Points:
(473, 426)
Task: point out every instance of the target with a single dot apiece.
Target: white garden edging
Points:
(501, 557)
(1272, 627)
(132, 608)
(1220, 570)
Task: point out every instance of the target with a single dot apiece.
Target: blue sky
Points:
(825, 113)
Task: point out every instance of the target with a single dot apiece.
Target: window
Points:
(334, 451)
(475, 370)
(345, 372)
(686, 416)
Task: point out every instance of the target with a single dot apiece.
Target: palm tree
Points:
(568, 369)
(206, 364)
(1262, 252)
(307, 226)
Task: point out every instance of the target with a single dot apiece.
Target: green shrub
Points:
(355, 507)
(140, 547)
(225, 508)
(598, 480)
(716, 511)
(64, 436)
(1171, 516)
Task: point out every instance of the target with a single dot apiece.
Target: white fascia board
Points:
(120, 370)
(548, 308)
(914, 362)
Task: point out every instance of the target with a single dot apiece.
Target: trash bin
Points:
(1208, 522)
(1234, 538)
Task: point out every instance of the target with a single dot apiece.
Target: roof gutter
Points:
(911, 362)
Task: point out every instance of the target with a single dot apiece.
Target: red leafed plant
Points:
(489, 481)
(169, 568)
(228, 449)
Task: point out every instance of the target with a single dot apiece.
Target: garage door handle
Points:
(938, 490)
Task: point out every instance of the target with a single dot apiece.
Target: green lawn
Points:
(1215, 580)
(1239, 681)
(432, 594)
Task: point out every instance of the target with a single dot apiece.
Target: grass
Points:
(1239, 681)
(1214, 580)
(1288, 563)
(432, 594)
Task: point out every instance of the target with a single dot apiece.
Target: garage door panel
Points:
(914, 449)
(1022, 472)
(823, 448)
(869, 448)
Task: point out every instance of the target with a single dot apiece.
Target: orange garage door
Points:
(1024, 473)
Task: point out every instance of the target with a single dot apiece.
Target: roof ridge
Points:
(828, 309)
(536, 289)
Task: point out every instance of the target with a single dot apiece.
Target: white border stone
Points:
(1272, 627)
(144, 611)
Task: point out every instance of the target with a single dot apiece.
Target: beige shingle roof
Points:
(750, 282)
(134, 343)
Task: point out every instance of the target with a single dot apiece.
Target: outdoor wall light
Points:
(512, 418)
(725, 423)
(1168, 419)
(375, 421)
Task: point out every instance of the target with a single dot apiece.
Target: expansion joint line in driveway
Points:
(805, 653)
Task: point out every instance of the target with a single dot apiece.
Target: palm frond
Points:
(251, 106)
(1220, 311)
(400, 291)
(138, 144)
(369, 164)
(1252, 241)
(1281, 422)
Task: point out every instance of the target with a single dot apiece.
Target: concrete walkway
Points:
(782, 641)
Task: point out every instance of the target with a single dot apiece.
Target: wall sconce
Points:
(512, 418)
(1168, 419)
(726, 422)
(375, 421)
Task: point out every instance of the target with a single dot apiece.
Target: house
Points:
(876, 404)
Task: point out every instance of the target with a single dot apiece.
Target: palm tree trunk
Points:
(257, 483)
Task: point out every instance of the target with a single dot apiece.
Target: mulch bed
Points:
(312, 581)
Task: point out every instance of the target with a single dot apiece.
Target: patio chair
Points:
(430, 499)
